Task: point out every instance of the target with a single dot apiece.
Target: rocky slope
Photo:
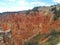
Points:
(41, 25)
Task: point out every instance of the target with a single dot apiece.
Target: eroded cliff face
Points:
(24, 27)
